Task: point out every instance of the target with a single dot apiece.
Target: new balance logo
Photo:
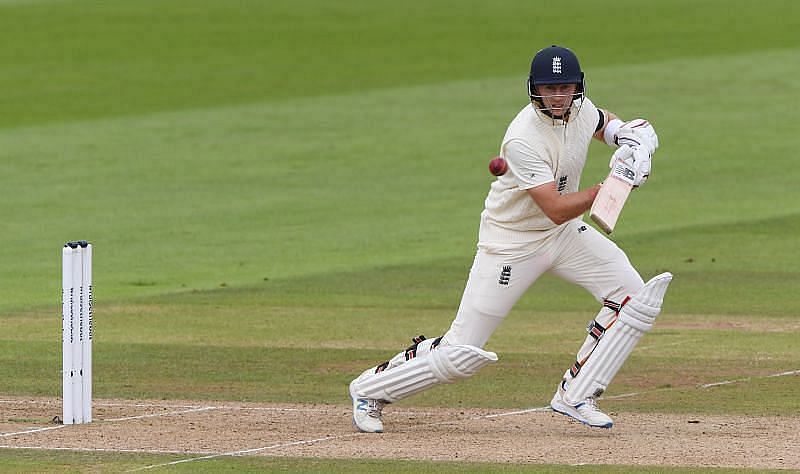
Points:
(505, 275)
(362, 404)
(557, 65)
(624, 171)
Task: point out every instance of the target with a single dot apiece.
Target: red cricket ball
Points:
(498, 166)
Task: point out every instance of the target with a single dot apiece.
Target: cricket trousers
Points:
(507, 263)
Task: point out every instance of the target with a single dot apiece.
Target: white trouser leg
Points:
(496, 282)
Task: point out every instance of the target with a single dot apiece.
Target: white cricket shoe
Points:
(586, 411)
(366, 412)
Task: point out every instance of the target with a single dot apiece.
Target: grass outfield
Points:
(22, 461)
(283, 193)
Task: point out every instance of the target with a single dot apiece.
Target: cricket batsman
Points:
(532, 223)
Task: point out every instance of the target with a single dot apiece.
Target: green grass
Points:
(87, 59)
(293, 188)
(27, 461)
(243, 345)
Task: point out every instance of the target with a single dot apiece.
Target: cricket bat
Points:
(613, 193)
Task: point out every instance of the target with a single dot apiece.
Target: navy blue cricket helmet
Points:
(555, 65)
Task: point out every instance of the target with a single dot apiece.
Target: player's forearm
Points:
(562, 208)
(574, 204)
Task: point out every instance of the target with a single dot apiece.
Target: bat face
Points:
(610, 200)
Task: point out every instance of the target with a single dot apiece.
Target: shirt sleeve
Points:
(528, 168)
(601, 121)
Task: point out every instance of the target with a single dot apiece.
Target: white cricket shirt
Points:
(538, 150)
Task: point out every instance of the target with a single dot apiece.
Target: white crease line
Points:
(216, 407)
(724, 382)
(300, 410)
(511, 413)
(245, 451)
(110, 420)
(143, 405)
(747, 379)
(159, 405)
(625, 395)
(107, 450)
(154, 415)
(27, 401)
(782, 374)
(55, 401)
(32, 430)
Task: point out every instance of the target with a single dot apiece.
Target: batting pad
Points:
(635, 319)
(445, 364)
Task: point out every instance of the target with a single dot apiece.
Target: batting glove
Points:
(637, 132)
(631, 164)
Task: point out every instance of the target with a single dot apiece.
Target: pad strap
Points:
(596, 331)
(614, 306)
(411, 352)
(415, 349)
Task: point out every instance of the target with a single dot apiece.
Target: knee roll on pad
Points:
(445, 364)
(635, 318)
(640, 311)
